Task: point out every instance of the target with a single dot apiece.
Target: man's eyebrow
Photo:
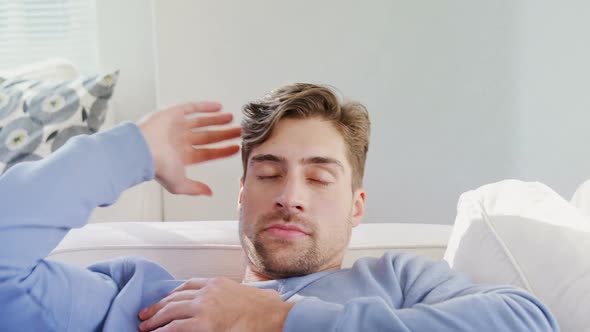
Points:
(306, 161)
(267, 157)
(323, 160)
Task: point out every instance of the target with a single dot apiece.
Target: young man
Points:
(301, 194)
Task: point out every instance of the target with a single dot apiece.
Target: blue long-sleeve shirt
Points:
(41, 201)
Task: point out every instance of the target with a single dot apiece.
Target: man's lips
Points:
(285, 230)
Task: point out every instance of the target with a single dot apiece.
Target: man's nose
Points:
(291, 197)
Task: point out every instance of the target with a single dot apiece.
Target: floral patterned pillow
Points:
(37, 117)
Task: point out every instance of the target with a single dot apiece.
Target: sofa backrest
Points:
(212, 248)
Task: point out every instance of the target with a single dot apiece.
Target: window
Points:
(35, 30)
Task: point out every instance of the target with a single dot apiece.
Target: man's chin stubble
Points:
(305, 262)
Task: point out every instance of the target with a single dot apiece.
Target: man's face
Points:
(297, 208)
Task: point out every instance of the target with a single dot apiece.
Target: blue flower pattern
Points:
(20, 137)
(53, 105)
(9, 101)
(42, 108)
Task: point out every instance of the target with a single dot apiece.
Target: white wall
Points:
(126, 43)
(461, 93)
(553, 87)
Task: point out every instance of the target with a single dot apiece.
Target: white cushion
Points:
(526, 235)
(581, 198)
(212, 248)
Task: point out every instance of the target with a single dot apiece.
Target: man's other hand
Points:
(217, 304)
(174, 144)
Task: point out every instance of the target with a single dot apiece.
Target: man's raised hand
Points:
(174, 144)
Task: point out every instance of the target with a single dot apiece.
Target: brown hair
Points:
(304, 100)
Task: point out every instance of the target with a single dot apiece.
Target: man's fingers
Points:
(171, 311)
(182, 325)
(200, 107)
(191, 284)
(193, 188)
(210, 120)
(150, 311)
(204, 154)
(214, 136)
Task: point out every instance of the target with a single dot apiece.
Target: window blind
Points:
(35, 30)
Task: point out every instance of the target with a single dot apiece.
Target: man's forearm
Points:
(40, 202)
(425, 295)
(482, 313)
(64, 188)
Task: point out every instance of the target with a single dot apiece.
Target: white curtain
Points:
(35, 30)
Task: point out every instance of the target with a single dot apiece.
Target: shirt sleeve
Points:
(39, 203)
(435, 298)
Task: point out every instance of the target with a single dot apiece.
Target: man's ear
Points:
(241, 191)
(358, 206)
